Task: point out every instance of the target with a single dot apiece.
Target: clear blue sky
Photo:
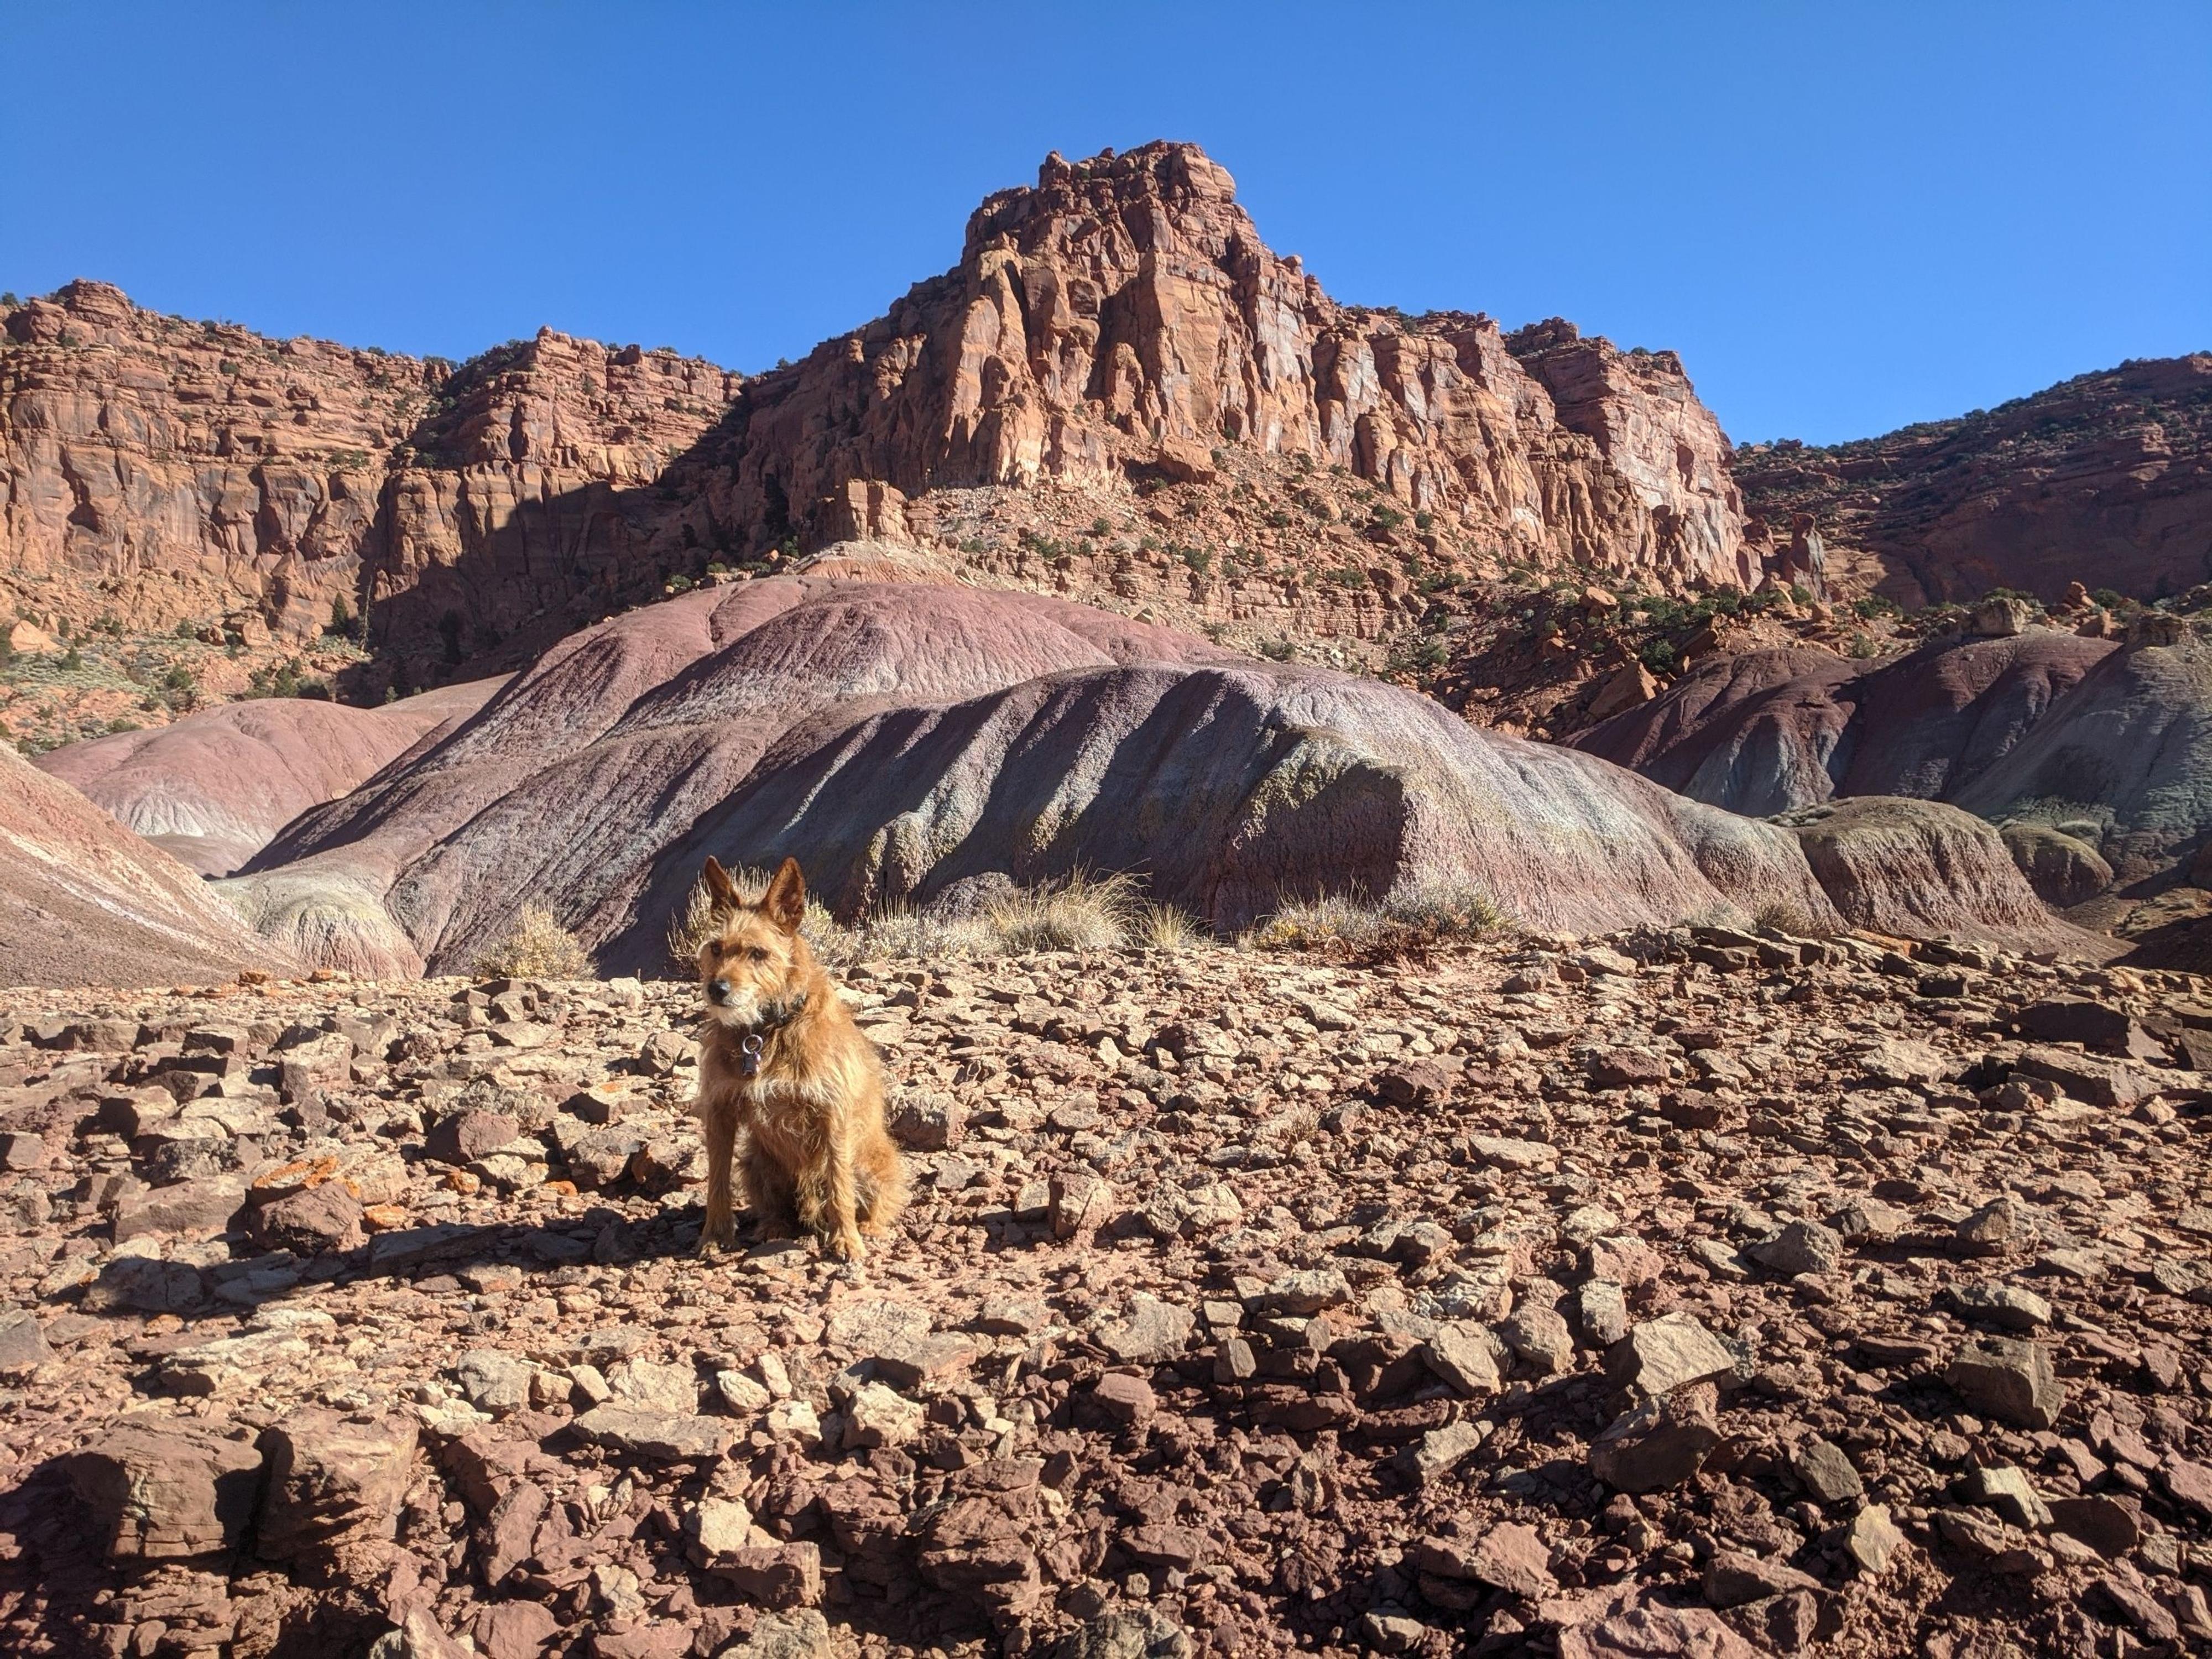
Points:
(1845, 217)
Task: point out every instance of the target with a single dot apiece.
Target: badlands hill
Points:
(915, 739)
(215, 788)
(85, 902)
(2093, 752)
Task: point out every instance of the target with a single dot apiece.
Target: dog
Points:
(780, 1059)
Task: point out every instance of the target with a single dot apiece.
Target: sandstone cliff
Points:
(2106, 479)
(1118, 394)
(1120, 322)
(162, 472)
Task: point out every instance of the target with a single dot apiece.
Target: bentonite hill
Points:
(1517, 1031)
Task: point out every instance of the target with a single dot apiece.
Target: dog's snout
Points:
(718, 990)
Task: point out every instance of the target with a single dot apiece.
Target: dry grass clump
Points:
(539, 948)
(1425, 912)
(1777, 916)
(901, 932)
(1165, 927)
(1080, 912)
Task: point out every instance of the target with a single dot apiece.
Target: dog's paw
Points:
(845, 1246)
(712, 1244)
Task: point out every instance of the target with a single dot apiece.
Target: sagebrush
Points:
(539, 947)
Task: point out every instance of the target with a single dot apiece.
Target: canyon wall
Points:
(162, 471)
(1122, 320)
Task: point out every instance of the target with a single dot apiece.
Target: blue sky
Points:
(1844, 216)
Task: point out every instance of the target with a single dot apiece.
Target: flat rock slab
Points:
(657, 1436)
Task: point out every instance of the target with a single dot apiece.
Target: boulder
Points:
(310, 1220)
(1672, 1352)
(161, 1489)
(1660, 1443)
(332, 1483)
(2010, 1380)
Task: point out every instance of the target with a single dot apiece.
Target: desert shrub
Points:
(902, 932)
(1165, 927)
(1780, 916)
(1078, 912)
(1304, 924)
(1424, 913)
(1081, 912)
(539, 947)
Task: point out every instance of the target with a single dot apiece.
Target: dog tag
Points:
(749, 1054)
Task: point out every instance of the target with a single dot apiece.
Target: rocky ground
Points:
(1693, 1293)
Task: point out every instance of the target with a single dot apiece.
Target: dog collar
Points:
(756, 1036)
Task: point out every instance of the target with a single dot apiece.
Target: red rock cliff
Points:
(1122, 317)
(2105, 479)
(1116, 329)
(162, 470)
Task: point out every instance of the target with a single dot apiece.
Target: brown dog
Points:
(780, 1057)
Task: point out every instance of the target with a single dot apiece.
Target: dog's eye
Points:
(714, 947)
(757, 954)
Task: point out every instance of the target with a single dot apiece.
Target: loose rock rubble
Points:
(1700, 1292)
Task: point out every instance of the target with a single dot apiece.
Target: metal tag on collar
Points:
(749, 1054)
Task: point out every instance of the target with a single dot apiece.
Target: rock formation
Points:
(84, 902)
(1122, 320)
(904, 736)
(2092, 753)
(164, 472)
(1765, 731)
(213, 788)
(1115, 330)
(2105, 479)
(2124, 761)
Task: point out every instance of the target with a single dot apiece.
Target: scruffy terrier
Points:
(780, 1059)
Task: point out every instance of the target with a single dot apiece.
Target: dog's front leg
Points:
(839, 1226)
(721, 1231)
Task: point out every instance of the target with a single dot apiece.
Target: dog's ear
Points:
(785, 903)
(719, 883)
